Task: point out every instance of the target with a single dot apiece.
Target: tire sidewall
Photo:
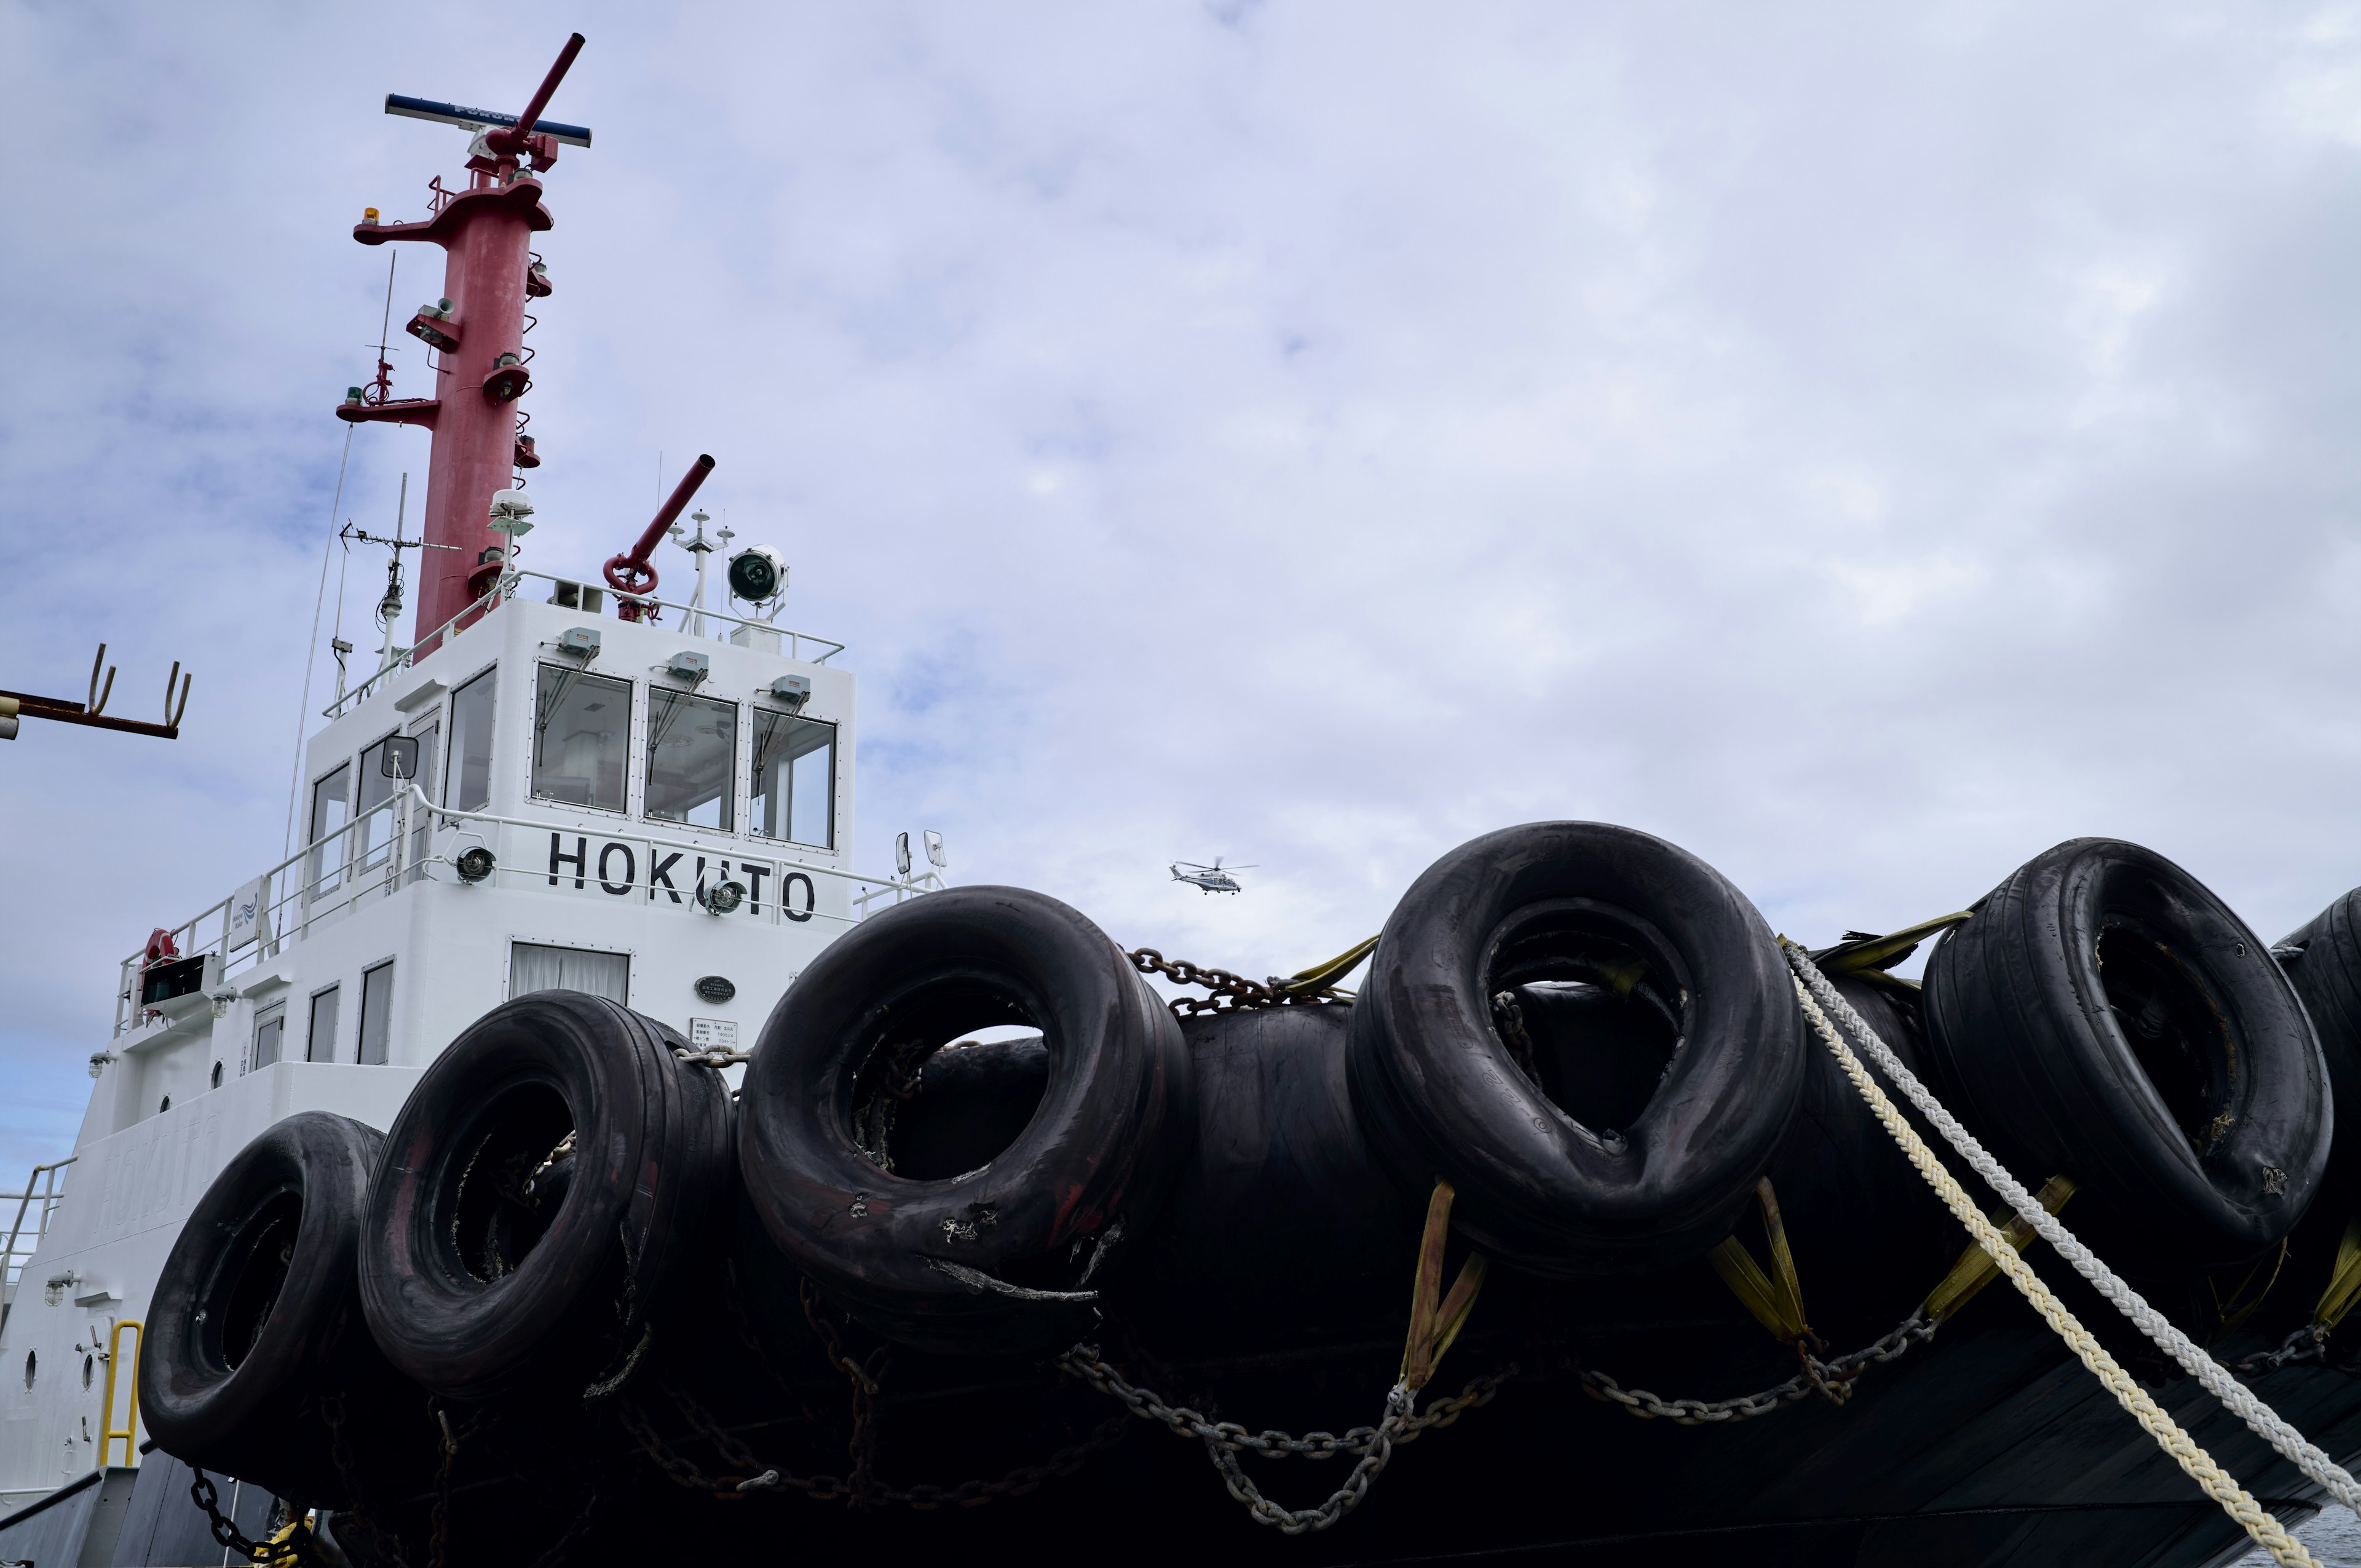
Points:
(2019, 1017)
(1442, 1097)
(1102, 1148)
(650, 1161)
(195, 1404)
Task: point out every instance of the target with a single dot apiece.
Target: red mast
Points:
(486, 235)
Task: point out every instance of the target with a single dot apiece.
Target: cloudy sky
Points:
(1865, 444)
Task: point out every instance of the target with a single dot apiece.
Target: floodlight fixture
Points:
(757, 572)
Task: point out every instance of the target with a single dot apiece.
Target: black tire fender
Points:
(1638, 923)
(490, 1262)
(1001, 1258)
(1284, 1228)
(2321, 958)
(256, 1319)
(2106, 1018)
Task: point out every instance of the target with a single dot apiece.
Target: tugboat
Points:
(568, 1156)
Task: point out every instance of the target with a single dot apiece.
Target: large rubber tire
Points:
(989, 1260)
(2104, 1016)
(487, 1266)
(1663, 949)
(2322, 961)
(1284, 1230)
(256, 1319)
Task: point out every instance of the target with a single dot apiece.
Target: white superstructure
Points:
(667, 810)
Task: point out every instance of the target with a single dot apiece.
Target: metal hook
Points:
(97, 703)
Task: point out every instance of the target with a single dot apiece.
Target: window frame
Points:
(366, 859)
(316, 867)
(758, 712)
(311, 1023)
(450, 707)
(630, 957)
(740, 732)
(381, 1015)
(273, 1013)
(633, 721)
(427, 730)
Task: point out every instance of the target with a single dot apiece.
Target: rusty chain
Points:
(439, 1547)
(1224, 1441)
(365, 1527)
(1231, 992)
(863, 1377)
(1832, 1379)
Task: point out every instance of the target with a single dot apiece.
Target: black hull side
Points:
(1991, 1446)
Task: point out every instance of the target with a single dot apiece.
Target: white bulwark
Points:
(656, 813)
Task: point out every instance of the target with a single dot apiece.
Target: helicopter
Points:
(1208, 879)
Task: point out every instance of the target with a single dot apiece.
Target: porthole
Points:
(32, 1365)
(167, 1106)
(89, 1363)
(217, 1066)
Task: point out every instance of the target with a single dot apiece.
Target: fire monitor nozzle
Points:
(630, 572)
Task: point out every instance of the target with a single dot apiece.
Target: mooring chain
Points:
(2308, 1343)
(1832, 1379)
(755, 1476)
(363, 1525)
(1085, 1363)
(295, 1549)
(1231, 992)
(1224, 1441)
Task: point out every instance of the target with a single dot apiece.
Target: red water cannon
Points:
(513, 142)
(632, 572)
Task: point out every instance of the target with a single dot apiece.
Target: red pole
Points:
(510, 138)
(630, 572)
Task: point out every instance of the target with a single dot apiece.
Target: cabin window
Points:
(429, 734)
(692, 759)
(321, 1046)
(332, 807)
(373, 839)
(217, 1075)
(581, 736)
(533, 967)
(794, 779)
(376, 1013)
(468, 779)
(270, 1035)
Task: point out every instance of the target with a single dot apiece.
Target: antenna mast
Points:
(478, 331)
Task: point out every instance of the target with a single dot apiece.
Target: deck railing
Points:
(39, 1201)
(709, 624)
(407, 839)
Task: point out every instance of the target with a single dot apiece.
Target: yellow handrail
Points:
(129, 1430)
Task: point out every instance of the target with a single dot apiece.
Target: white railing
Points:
(394, 845)
(696, 622)
(42, 1190)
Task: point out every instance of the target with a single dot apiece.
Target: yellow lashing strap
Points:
(1976, 1268)
(1864, 953)
(1434, 1323)
(1776, 1299)
(1323, 977)
(2344, 1281)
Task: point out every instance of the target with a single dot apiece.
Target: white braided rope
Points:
(2200, 1465)
(2218, 1379)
